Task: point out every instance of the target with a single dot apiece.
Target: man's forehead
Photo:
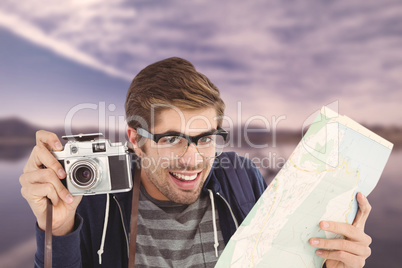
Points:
(185, 121)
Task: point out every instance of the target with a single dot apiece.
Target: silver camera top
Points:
(83, 137)
(90, 144)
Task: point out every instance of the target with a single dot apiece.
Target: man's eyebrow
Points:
(177, 133)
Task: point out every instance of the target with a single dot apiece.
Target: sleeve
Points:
(66, 249)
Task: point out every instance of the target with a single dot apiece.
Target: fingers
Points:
(50, 184)
(349, 231)
(40, 191)
(348, 259)
(48, 178)
(359, 249)
(40, 157)
(363, 212)
(352, 251)
(48, 140)
(38, 183)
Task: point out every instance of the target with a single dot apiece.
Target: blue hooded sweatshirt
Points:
(235, 181)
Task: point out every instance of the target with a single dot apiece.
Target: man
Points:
(192, 197)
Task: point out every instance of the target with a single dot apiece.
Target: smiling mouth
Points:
(182, 177)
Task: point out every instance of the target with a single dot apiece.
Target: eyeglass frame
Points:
(190, 139)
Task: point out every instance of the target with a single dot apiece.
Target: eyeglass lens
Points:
(176, 146)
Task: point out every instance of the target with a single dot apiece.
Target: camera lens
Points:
(84, 174)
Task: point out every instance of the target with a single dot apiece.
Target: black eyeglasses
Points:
(174, 145)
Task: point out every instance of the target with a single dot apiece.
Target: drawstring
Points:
(216, 244)
(100, 251)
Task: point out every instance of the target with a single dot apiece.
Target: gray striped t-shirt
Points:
(176, 235)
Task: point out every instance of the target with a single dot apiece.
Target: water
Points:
(17, 244)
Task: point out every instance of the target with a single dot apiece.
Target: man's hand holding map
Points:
(336, 159)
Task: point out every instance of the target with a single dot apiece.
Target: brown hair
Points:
(173, 81)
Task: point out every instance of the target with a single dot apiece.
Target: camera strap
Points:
(48, 234)
(133, 224)
(134, 217)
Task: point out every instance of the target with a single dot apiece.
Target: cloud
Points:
(286, 55)
(36, 34)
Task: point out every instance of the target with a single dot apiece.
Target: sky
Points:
(73, 61)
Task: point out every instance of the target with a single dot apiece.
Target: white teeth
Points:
(183, 177)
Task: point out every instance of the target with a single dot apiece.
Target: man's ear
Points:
(133, 137)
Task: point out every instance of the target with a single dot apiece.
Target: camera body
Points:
(94, 165)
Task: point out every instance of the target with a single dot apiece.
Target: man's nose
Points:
(191, 157)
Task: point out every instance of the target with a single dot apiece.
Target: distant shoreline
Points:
(17, 137)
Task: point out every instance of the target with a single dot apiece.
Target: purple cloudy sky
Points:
(278, 57)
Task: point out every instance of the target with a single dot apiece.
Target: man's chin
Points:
(185, 197)
(189, 200)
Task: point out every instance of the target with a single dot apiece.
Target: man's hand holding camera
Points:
(39, 183)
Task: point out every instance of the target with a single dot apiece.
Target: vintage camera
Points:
(94, 165)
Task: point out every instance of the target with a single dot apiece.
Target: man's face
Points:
(178, 180)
